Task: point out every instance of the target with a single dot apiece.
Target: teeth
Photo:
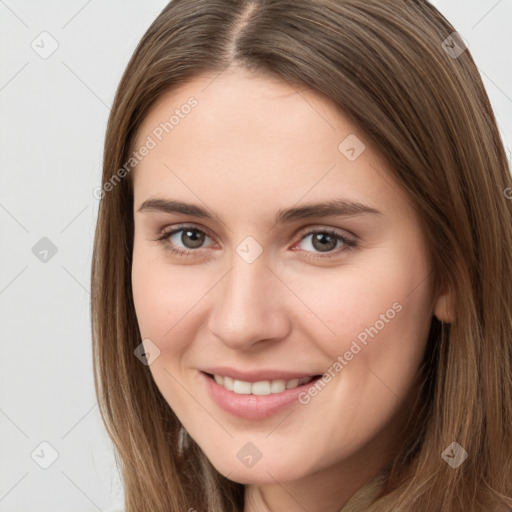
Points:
(241, 387)
(277, 386)
(292, 383)
(264, 387)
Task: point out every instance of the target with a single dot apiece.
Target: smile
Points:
(263, 387)
(256, 400)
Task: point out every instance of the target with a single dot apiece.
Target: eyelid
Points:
(302, 232)
(178, 227)
(308, 230)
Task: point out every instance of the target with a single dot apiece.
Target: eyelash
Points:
(349, 243)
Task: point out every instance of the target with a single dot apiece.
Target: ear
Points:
(444, 307)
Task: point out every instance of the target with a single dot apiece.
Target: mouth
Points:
(262, 387)
(255, 400)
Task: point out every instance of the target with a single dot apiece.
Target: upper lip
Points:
(257, 375)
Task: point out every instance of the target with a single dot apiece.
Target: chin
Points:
(262, 472)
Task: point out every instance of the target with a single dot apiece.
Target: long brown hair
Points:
(396, 69)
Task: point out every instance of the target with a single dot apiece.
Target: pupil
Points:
(323, 242)
(197, 239)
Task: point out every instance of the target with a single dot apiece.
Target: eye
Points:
(190, 238)
(324, 241)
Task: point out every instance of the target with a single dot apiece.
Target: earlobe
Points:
(444, 309)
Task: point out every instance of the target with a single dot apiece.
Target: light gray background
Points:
(54, 112)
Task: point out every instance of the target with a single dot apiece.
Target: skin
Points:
(251, 146)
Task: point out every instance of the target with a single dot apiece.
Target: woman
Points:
(299, 283)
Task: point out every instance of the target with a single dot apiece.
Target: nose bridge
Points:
(248, 307)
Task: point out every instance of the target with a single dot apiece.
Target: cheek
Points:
(382, 295)
(151, 297)
(379, 314)
(381, 319)
(166, 298)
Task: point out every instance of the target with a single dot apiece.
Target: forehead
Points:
(245, 105)
(254, 136)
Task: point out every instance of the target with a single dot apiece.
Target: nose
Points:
(250, 306)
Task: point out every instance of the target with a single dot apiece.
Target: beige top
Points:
(363, 498)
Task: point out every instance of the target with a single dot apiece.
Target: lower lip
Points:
(253, 407)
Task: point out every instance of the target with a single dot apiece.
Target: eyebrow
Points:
(334, 207)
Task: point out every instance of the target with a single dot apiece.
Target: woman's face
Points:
(287, 252)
